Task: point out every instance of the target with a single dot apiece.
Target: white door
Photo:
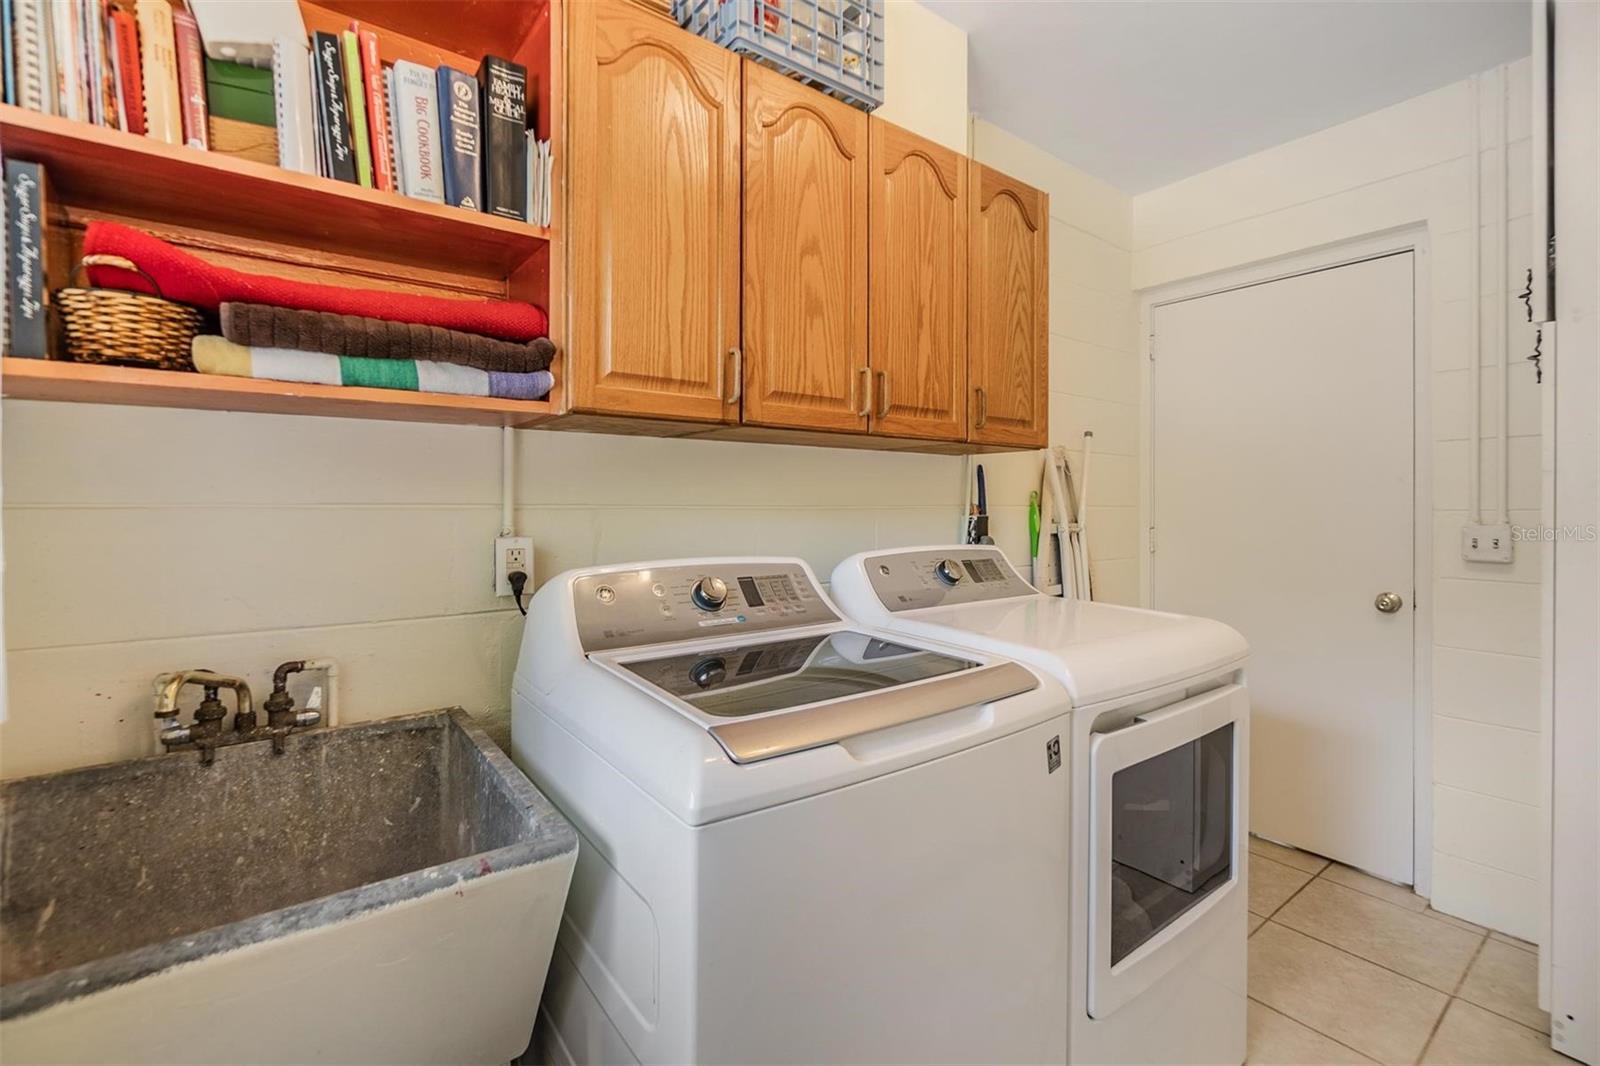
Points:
(1282, 498)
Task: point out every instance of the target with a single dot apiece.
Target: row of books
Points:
(538, 180)
(132, 65)
(437, 134)
(147, 66)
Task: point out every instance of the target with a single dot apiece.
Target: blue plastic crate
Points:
(832, 45)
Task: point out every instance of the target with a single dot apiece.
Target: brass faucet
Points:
(206, 733)
(281, 715)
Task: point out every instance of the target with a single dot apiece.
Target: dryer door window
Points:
(1171, 836)
(1166, 850)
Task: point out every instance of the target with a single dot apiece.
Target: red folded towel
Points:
(189, 279)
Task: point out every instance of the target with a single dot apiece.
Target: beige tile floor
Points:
(1345, 968)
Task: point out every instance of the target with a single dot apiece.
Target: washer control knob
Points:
(948, 571)
(708, 672)
(709, 593)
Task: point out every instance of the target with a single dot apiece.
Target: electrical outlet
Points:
(1486, 543)
(510, 554)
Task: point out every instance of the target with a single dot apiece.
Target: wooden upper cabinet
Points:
(653, 216)
(805, 256)
(917, 204)
(1008, 308)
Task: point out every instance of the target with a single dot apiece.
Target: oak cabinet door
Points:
(1008, 326)
(805, 256)
(653, 217)
(918, 265)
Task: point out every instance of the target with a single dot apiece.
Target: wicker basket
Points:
(125, 328)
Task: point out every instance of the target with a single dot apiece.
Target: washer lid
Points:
(740, 680)
(775, 697)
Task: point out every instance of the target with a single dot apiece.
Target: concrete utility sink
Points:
(382, 892)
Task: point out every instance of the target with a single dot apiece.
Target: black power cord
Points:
(518, 579)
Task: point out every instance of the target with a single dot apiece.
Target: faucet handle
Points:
(173, 735)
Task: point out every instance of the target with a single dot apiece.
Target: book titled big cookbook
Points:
(505, 142)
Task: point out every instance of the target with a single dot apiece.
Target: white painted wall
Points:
(925, 74)
(141, 541)
(1405, 165)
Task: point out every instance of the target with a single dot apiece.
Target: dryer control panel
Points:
(907, 581)
(634, 607)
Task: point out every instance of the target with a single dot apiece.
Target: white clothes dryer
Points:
(1159, 756)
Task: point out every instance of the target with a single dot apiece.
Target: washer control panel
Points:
(907, 581)
(633, 607)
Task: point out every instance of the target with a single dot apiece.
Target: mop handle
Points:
(1083, 517)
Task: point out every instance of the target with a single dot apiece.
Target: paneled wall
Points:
(140, 541)
(1405, 165)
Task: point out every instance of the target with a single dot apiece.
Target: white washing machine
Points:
(1159, 764)
(802, 840)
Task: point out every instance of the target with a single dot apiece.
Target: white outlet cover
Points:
(503, 549)
(1486, 543)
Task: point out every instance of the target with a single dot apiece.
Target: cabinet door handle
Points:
(983, 408)
(738, 374)
(883, 394)
(864, 382)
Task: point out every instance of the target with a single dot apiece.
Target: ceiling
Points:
(1141, 93)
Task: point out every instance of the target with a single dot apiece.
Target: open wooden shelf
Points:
(265, 220)
(49, 379)
(142, 178)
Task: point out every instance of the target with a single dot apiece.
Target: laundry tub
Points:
(380, 892)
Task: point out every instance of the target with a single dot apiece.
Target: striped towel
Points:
(218, 355)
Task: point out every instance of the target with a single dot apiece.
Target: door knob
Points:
(1388, 602)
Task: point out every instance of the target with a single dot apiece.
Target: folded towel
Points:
(218, 355)
(188, 279)
(261, 326)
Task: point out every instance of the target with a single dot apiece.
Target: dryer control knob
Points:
(709, 593)
(948, 571)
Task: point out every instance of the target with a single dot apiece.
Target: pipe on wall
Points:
(1475, 312)
(508, 442)
(1502, 294)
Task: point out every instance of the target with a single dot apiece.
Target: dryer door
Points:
(1166, 838)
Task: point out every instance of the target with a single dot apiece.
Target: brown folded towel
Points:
(266, 326)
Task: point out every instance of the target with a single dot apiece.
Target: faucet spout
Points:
(209, 715)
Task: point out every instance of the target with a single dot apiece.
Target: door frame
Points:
(1413, 239)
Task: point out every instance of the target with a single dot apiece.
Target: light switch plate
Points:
(511, 553)
(1486, 543)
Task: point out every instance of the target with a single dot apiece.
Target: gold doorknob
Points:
(1388, 602)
